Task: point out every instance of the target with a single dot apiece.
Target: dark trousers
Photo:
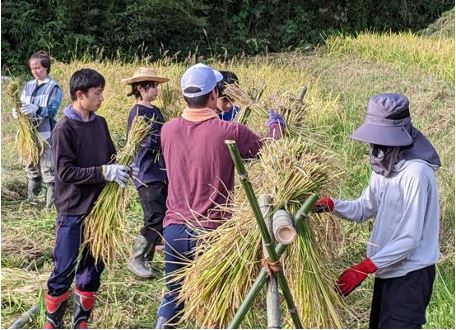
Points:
(400, 302)
(180, 243)
(66, 260)
(153, 202)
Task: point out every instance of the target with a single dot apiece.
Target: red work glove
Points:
(324, 204)
(355, 275)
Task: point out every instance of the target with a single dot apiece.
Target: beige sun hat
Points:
(144, 74)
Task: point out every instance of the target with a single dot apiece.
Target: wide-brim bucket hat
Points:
(144, 74)
(387, 121)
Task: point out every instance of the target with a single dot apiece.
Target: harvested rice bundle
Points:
(169, 102)
(254, 113)
(104, 226)
(229, 258)
(28, 140)
(250, 106)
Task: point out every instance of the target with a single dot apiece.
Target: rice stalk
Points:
(18, 282)
(28, 143)
(105, 225)
(170, 104)
(254, 112)
(249, 104)
(228, 259)
(406, 50)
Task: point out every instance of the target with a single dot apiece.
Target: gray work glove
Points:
(116, 173)
(29, 109)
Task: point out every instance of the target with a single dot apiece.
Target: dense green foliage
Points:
(148, 28)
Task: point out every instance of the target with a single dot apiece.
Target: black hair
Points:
(229, 77)
(144, 84)
(44, 58)
(197, 101)
(84, 79)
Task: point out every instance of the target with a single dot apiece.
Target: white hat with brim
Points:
(386, 121)
(144, 74)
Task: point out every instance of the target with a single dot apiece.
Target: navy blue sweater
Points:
(148, 157)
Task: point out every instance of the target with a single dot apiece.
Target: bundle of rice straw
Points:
(248, 101)
(228, 261)
(28, 140)
(169, 102)
(105, 224)
(254, 113)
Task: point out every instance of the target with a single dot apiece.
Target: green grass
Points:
(440, 312)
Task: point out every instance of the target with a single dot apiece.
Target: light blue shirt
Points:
(406, 208)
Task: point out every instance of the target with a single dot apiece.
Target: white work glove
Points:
(14, 113)
(116, 173)
(134, 170)
(29, 109)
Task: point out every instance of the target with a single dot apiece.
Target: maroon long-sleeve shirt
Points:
(200, 170)
(79, 150)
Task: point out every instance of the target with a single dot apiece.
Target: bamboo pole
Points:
(282, 227)
(262, 276)
(24, 318)
(273, 257)
(272, 294)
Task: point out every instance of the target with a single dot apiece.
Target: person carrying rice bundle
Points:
(40, 100)
(402, 196)
(151, 179)
(200, 174)
(83, 153)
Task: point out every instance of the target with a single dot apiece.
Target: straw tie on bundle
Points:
(271, 267)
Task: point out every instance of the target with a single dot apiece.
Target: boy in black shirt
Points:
(82, 150)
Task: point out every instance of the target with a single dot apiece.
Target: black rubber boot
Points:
(55, 310)
(137, 263)
(82, 308)
(33, 189)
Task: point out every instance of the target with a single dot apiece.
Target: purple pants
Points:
(67, 265)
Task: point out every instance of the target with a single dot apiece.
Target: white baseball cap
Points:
(218, 75)
(201, 78)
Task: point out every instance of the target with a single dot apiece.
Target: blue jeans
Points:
(180, 243)
(68, 239)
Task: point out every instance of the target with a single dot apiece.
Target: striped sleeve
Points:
(53, 104)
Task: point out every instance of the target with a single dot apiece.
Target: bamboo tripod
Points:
(274, 251)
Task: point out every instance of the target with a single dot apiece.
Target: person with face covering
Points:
(402, 196)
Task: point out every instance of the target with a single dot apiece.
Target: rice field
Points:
(433, 56)
(339, 81)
